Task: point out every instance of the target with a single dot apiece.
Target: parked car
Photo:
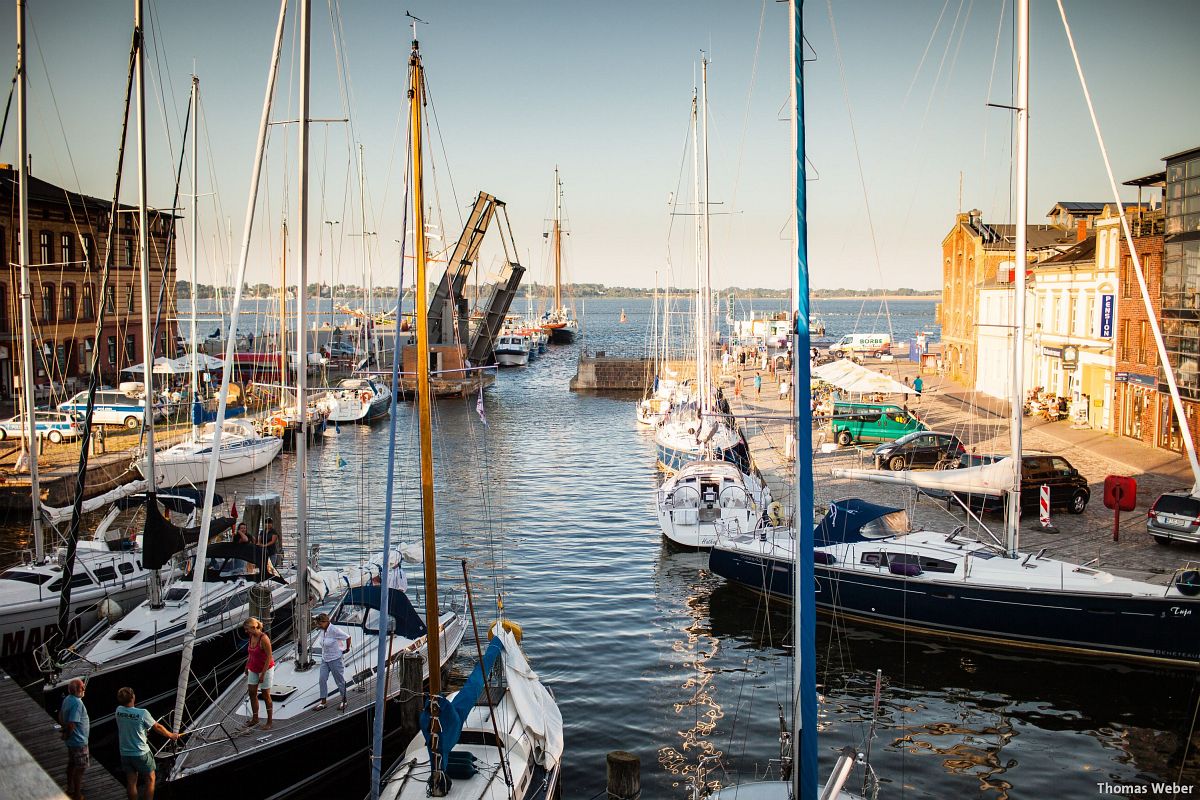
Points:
(53, 425)
(111, 408)
(1174, 516)
(920, 449)
(340, 350)
(1068, 489)
(872, 422)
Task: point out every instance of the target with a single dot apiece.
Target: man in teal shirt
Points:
(136, 758)
(75, 729)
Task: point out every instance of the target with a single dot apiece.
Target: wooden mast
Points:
(425, 421)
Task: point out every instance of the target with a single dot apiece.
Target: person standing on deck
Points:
(73, 717)
(136, 758)
(260, 671)
(332, 652)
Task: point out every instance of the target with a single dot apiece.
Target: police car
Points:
(111, 408)
(53, 425)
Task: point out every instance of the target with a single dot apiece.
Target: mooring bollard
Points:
(624, 776)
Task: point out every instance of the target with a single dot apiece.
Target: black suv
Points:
(1068, 489)
(920, 449)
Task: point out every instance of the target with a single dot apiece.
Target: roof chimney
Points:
(1080, 230)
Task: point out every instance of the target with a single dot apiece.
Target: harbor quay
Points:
(944, 406)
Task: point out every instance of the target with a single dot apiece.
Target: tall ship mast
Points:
(558, 323)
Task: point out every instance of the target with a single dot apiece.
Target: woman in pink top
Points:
(260, 670)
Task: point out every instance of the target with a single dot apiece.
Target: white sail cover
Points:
(62, 514)
(857, 379)
(990, 479)
(537, 709)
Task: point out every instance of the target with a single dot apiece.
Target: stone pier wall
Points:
(601, 372)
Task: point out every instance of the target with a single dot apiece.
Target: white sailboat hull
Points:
(186, 464)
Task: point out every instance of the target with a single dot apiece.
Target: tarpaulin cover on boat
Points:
(181, 499)
(855, 520)
(453, 713)
(408, 622)
(993, 479)
(249, 553)
(535, 706)
(162, 539)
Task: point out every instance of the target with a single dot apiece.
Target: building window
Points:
(89, 250)
(4, 306)
(86, 354)
(68, 302)
(1123, 349)
(1072, 313)
(110, 299)
(129, 251)
(130, 349)
(1183, 197)
(1091, 329)
(47, 357)
(63, 357)
(67, 243)
(129, 299)
(89, 301)
(1143, 331)
(112, 350)
(44, 241)
(47, 302)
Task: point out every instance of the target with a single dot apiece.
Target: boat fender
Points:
(110, 610)
(509, 626)
(775, 513)
(1188, 582)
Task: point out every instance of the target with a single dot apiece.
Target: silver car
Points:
(1174, 517)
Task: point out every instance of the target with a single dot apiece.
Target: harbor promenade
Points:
(947, 407)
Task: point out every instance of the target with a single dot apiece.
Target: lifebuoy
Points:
(509, 626)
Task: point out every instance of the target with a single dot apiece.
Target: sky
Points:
(896, 121)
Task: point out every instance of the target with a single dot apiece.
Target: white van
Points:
(112, 408)
(862, 344)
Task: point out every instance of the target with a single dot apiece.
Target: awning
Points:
(857, 379)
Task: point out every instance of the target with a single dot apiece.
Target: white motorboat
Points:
(707, 498)
(359, 400)
(512, 350)
(243, 450)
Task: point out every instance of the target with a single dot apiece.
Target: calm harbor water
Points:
(552, 505)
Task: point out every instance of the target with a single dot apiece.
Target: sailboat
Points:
(798, 745)
(380, 619)
(716, 487)
(500, 735)
(558, 323)
(870, 568)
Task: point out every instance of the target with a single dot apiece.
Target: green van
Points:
(872, 422)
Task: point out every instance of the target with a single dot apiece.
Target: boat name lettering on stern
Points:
(1176, 611)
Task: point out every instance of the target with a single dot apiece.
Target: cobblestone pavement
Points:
(1081, 538)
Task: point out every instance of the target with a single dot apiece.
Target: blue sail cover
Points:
(844, 521)
(201, 416)
(453, 714)
(408, 622)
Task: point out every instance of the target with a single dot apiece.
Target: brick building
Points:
(69, 237)
(1168, 245)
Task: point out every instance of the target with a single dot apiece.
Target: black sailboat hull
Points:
(1154, 629)
(562, 335)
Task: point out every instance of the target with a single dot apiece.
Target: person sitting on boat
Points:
(243, 535)
(260, 671)
(269, 538)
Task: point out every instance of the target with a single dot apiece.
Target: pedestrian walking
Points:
(136, 758)
(918, 385)
(758, 384)
(335, 643)
(76, 726)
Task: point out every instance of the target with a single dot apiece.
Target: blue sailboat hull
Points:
(1145, 628)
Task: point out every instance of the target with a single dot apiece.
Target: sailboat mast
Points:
(804, 613)
(303, 657)
(557, 241)
(27, 367)
(424, 398)
(1022, 262)
(698, 310)
(362, 213)
(283, 349)
(194, 224)
(706, 296)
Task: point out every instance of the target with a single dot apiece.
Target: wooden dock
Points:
(34, 729)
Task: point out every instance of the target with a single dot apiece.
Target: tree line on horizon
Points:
(183, 289)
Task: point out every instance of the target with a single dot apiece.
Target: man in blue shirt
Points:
(136, 758)
(75, 729)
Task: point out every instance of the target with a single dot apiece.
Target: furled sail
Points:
(988, 479)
